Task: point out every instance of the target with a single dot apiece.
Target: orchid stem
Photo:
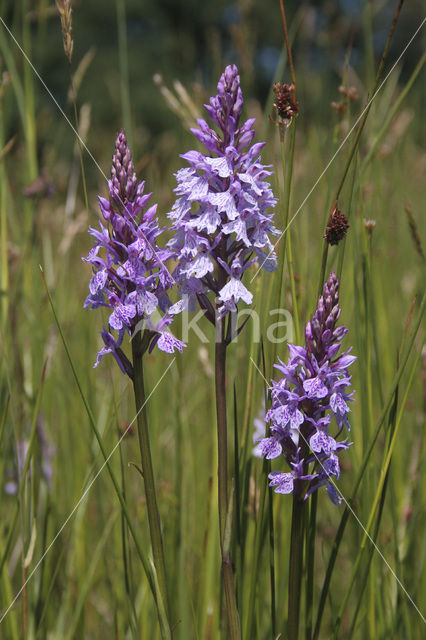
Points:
(296, 566)
(138, 350)
(224, 522)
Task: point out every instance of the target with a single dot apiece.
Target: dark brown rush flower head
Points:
(337, 226)
(285, 103)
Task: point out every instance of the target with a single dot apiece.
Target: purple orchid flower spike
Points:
(129, 273)
(221, 218)
(310, 404)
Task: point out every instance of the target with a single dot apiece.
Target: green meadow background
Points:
(149, 67)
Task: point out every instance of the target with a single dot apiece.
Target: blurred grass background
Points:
(90, 584)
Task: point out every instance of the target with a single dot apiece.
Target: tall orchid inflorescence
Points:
(220, 217)
(129, 273)
(309, 404)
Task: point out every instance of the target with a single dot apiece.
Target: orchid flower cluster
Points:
(220, 218)
(129, 273)
(310, 404)
(221, 222)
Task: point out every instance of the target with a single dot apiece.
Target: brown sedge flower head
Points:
(349, 92)
(337, 226)
(339, 107)
(285, 103)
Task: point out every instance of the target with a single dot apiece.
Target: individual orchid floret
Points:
(310, 404)
(129, 273)
(222, 217)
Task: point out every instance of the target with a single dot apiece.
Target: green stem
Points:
(4, 277)
(272, 565)
(310, 563)
(228, 577)
(79, 141)
(288, 177)
(258, 547)
(238, 509)
(220, 368)
(287, 171)
(138, 349)
(30, 119)
(296, 565)
(323, 266)
(293, 290)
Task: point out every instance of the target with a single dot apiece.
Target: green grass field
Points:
(69, 565)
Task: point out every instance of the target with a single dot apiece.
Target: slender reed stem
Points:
(124, 68)
(324, 256)
(296, 565)
(287, 43)
(4, 262)
(79, 142)
(288, 178)
(294, 302)
(30, 127)
(138, 349)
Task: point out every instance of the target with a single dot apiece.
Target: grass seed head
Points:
(65, 11)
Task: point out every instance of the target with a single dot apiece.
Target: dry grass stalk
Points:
(65, 10)
(415, 236)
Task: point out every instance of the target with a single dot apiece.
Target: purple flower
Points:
(129, 273)
(220, 218)
(310, 404)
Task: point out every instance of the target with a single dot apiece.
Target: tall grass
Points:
(75, 552)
